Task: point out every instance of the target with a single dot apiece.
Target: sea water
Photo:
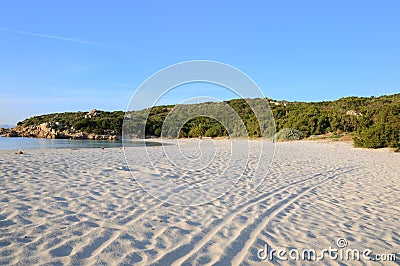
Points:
(19, 143)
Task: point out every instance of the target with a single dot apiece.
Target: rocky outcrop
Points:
(92, 113)
(54, 131)
(352, 112)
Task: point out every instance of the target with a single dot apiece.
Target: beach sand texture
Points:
(84, 207)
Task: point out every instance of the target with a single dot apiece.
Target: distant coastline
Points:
(7, 126)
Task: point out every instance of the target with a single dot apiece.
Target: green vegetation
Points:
(102, 123)
(380, 127)
(201, 125)
(289, 134)
(373, 121)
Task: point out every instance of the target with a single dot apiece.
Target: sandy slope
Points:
(84, 207)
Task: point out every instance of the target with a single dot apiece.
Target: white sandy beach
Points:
(84, 207)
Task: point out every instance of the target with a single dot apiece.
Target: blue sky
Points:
(78, 55)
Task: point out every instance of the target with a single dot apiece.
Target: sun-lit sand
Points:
(84, 206)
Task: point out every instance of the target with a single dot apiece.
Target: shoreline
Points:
(160, 142)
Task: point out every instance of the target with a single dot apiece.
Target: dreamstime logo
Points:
(341, 253)
(204, 169)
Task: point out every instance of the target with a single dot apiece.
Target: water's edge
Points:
(21, 143)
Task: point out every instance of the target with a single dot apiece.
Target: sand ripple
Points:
(84, 207)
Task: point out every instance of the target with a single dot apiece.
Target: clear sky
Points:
(58, 56)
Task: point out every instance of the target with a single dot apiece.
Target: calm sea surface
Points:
(36, 143)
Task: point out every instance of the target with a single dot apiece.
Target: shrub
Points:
(215, 131)
(380, 129)
(196, 132)
(289, 134)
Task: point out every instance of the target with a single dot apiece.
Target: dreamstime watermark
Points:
(215, 169)
(340, 252)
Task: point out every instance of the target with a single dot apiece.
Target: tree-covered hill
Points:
(373, 121)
